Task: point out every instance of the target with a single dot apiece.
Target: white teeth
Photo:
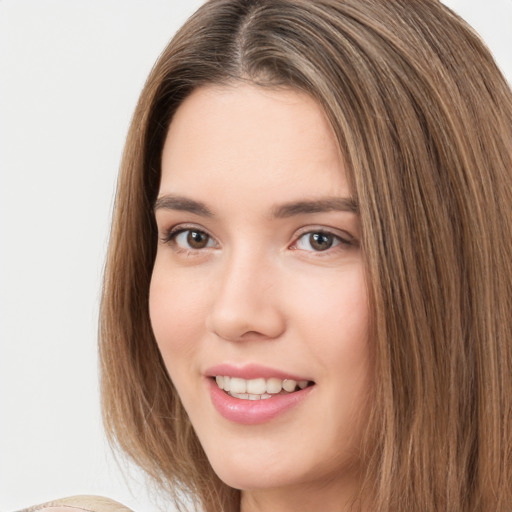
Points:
(247, 396)
(289, 385)
(244, 396)
(256, 386)
(255, 389)
(238, 385)
(274, 386)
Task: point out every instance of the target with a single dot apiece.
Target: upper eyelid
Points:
(170, 235)
(337, 232)
(185, 226)
(165, 234)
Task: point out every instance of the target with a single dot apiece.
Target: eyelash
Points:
(339, 242)
(172, 234)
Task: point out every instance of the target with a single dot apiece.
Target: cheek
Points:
(176, 310)
(334, 324)
(349, 348)
(336, 308)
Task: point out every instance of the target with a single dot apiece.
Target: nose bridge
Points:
(245, 302)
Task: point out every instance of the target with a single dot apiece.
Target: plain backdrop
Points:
(70, 75)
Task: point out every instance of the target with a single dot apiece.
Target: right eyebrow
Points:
(327, 204)
(180, 203)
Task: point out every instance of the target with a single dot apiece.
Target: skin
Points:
(261, 292)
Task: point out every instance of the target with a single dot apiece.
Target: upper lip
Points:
(251, 371)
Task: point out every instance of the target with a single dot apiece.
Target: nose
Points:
(245, 303)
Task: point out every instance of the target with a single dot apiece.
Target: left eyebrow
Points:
(327, 204)
(180, 203)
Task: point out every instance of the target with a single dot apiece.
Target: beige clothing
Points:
(80, 504)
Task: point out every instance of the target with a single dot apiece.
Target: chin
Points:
(266, 467)
(256, 478)
(259, 467)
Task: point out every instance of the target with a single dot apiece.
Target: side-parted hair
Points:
(423, 118)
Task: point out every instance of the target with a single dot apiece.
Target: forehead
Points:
(258, 139)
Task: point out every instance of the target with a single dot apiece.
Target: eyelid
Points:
(339, 233)
(345, 238)
(170, 234)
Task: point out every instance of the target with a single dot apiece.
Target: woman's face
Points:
(258, 288)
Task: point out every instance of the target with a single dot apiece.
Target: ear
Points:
(80, 504)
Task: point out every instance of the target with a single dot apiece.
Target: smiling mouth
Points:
(259, 389)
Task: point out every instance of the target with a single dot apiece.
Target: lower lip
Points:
(252, 412)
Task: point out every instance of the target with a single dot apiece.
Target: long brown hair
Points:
(423, 118)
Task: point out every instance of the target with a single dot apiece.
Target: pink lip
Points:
(250, 371)
(252, 412)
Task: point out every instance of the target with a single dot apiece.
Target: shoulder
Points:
(80, 504)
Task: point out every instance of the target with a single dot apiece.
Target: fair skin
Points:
(259, 275)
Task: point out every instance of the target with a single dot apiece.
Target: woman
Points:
(307, 294)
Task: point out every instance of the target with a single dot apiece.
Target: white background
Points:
(70, 75)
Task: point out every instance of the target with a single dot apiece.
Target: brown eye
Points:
(197, 239)
(321, 241)
(191, 239)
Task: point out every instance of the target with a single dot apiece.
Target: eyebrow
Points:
(326, 204)
(184, 204)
